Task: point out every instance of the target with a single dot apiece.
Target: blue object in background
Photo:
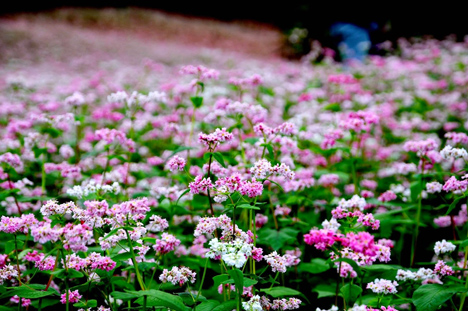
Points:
(355, 41)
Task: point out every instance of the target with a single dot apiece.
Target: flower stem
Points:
(203, 279)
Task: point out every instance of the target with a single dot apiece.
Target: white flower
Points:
(443, 246)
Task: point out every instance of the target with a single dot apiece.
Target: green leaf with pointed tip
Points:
(430, 297)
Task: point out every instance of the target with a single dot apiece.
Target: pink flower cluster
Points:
(166, 244)
(93, 261)
(73, 297)
(211, 141)
(201, 72)
(12, 159)
(178, 276)
(176, 163)
(263, 169)
(279, 263)
(285, 128)
(110, 136)
(66, 170)
(359, 121)
(421, 147)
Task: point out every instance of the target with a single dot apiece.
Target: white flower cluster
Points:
(83, 191)
(52, 207)
(253, 304)
(178, 276)
(433, 187)
(333, 308)
(422, 274)
(383, 286)
(233, 253)
(453, 153)
(123, 97)
(262, 169)
(355, 202)
(443, 246)
(332, 225)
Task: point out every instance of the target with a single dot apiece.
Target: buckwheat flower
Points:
(457, 138)
(66, 151)
(433, 187)
(178, 276)
(77, 99)
(321, 239)
(166, 244)
(277, 262)
(454, 185)
(442, 247)
(260, 220)
(387, 196)
(333, 308)
(8, 272)
(442, 269)
(24, 301)
(382, 286)
(356, 202)
(286, 304)
(157, 224)
(211, 141)
(176, 163)
(97, 261)
(449, 152)
(328, 180)
(251, 188)
(73, 297)
(12, 159)
(200, 184)
(253, 304)
(404, 275)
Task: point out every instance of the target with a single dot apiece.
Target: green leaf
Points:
(238, 277)
(124, 295)
(226, 306)
(181, 195)
(122, 256)
(277, 239)
(280, 291)
(248, 206)
(208, 305)
(29, 292)
(9, 246)
(350, 293)
(197, 101)
(274, 182)
(316, 265)
(53, 132)
(325, 290)
(163, 299)
(252, 140)
(454, 204)
(70, 274)
(463, 244)
(247, 282)
(92, 303)
(429, 297)
(219, 157)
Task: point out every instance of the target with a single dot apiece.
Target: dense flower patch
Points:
(265, 187)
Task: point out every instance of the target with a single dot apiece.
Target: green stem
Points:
(418, 218)
(463, 297)
(135, 264)
(274, 281)
(203, 280)
(208, 189)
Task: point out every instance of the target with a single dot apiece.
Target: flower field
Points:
(158, 175)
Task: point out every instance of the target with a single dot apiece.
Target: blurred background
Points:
(298, 24)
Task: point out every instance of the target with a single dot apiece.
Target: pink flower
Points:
(176, 163)
(73, 297)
